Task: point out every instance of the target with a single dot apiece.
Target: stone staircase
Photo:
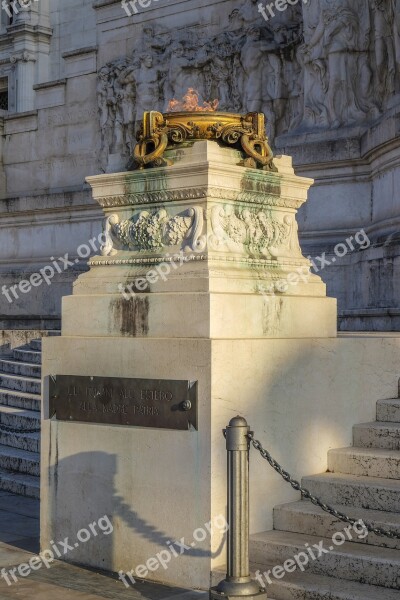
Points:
(363, 482)
(20, 405)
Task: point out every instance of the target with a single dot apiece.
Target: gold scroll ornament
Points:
(160, 132)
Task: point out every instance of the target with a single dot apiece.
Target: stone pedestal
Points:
(201, 249)
(200, 273)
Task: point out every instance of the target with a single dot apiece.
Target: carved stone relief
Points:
(242, 230)
(325, 64)
(155, 230)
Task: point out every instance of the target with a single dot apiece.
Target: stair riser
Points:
(31, 444)
(32, 387)
(19, 402)
(388, 411)
(28, 356)
(362, 570)
(371, 466)
(36, 345)
(348, 494)
(19, 465)
(20, 369)
(19, 422)
(388, 439)
(325, 526)
(16, 487)
(329, 589)
(283, 591)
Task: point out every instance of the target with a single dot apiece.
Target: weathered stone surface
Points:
(301, 517)
(388, 410)
(20, 399)
(20, 410)
(353, 562)
(19, 461)
(21, 383)
(20, 368)
(20, 483)
(365, 492)
(308, 586)
(377, 435)
(373, 462)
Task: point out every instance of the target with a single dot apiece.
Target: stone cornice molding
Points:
(24, 28)
(22, 115)
(49, 84)
(165, 196)
(101, 3)
(79, 52)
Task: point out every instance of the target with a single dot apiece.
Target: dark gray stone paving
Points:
(19, 541)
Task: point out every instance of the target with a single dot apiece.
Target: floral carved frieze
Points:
(245, 231)
(256, 233)
(155, 230)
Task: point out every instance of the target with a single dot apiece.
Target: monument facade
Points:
(325, 73)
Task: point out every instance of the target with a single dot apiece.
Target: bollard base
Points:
(216, 595)
(232, 588)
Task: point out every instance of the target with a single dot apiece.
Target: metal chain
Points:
(309, 496)
(6, 429)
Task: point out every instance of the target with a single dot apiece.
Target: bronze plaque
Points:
(160, 403)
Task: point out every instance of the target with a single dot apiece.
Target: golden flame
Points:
(190, 103)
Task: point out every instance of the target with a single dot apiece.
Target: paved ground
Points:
(19, 541)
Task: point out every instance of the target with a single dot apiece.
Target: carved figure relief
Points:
(324, 64)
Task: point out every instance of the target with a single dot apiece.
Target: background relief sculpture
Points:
(321, 65)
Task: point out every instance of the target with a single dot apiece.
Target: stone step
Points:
(20, 368)
(377, 435)
(388, 410)
(20, 461)
(32, 385)
(304, 517)
(350, 490)
(27, 355)
(371, 462)
(24, 441)
(18, 483)
(35, 345)
(308, 586)
(19, 419)
(350, 561)
(20, 399)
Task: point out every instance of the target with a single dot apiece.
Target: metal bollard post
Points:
(238, 581)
